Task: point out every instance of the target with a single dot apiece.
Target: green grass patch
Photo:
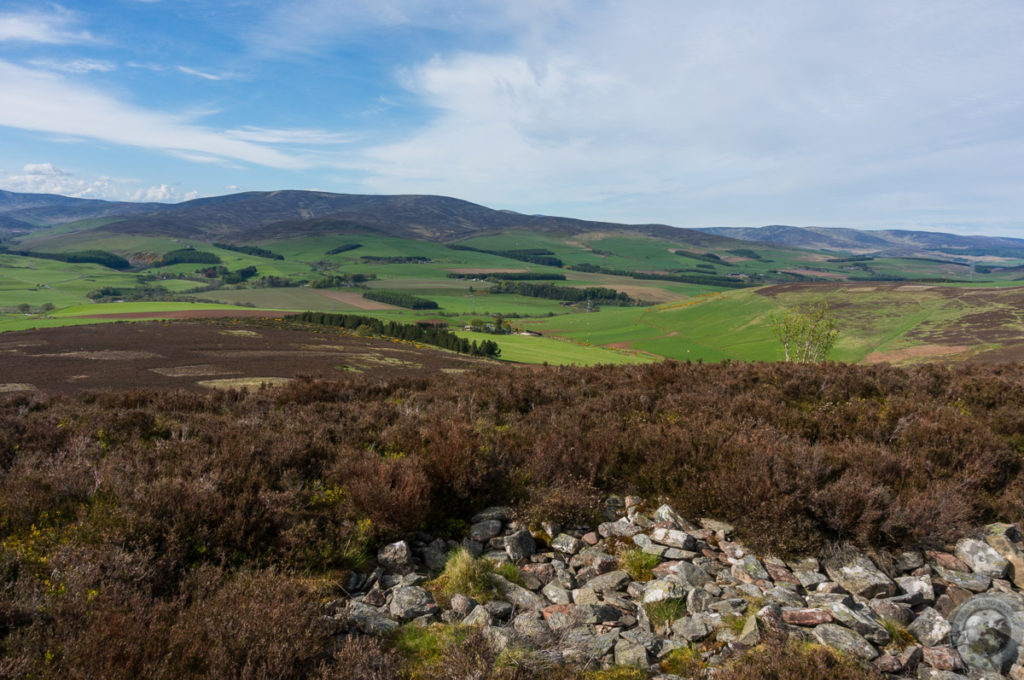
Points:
(665, 612)
(638, 564)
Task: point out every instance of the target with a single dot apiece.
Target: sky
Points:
(867, 114)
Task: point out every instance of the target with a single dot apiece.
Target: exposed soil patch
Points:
(355, 300)
(916, 352)
(201, 355)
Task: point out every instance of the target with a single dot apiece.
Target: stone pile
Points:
(921, 617)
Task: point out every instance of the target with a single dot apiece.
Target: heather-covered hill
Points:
(171, 534)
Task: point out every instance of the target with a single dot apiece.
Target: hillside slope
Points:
(889, 242)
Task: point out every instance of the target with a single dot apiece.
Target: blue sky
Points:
(868, 114)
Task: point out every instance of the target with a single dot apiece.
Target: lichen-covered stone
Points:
(861, 577)
(845, 641)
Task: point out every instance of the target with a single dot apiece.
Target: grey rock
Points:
(396, 557)
(435, 555)
(499, 609)
(844, 640)
(861, 577)
(370, 620)
(644, 542)
(909, 561)
(749, 570)
(570, 545)
(474, 548)
(556, 594)
(862, 621)
(621, 528)
(930, 628)
(520, 545)
(517, 595)
(691, 574)
(659, 590)
(581, 645)
(809, 579)
(749, 636)
(919, 588)
(691, 628)
(784, 597)
(673, 538)
(585, 595)
(630, 653)
(478, 617)
(462, 604)
(928, 673)
(531, 625)
(976, 583)
(612, 581)
(717, 527)
(485, 530)
(981, 558)
(499, 513)
(667, 514)
(698, 600)
(410, 602)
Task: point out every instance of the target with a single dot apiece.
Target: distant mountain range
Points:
(253, 216)
(276, 214)
(890, 242)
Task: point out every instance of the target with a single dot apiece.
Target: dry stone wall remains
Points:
(937, 615)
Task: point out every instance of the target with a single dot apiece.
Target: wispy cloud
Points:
(44, 178)
(76, 66)
(291, 136)
(201, 74)
(45, 102)
(57, 26)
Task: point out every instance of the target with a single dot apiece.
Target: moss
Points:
(685, 661)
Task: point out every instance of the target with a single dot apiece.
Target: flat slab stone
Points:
(981, 558)
(845, 641)
(861, 577)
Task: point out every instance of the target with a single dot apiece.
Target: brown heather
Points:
(166, 535)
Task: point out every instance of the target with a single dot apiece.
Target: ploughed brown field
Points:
(201, 355)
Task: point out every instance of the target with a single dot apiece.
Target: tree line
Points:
(426, 334)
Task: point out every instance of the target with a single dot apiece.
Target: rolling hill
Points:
(889, 242)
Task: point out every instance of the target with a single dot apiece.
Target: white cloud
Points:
(747, 112)
(200, 74)
(75, 65)
(45, 102)
(56, 27)
(290, 136)
(44, 178)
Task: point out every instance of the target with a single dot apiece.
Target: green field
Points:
(679, 320)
